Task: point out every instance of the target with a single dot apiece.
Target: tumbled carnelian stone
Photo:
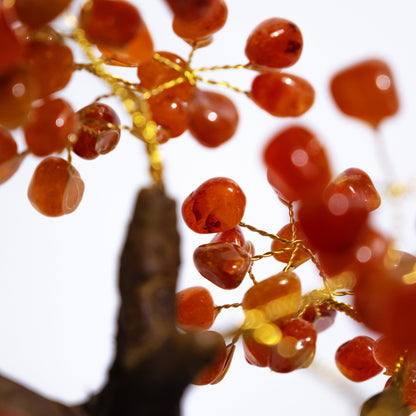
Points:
(212, 118)
(137, 51)
(366, 91)
(321, 316)
(36, 13)
(387, 354)
(55, 188)
(52, 65)
(194, 309)
(210, 372)
(103, 138)
(17, 91)
(255, 352)
(355, 359)
(153, 73)
(216, 205)
(224, 264)
(274, 43)
(213, 19)
(297, 165)
(300, 255)
(49, 126)
(278, 297)
(110, 22)
(296, 349)
(190, 9)
(357, 186)
(9, 158)
(235, 235)
(281, 94)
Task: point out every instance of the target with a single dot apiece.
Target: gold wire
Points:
(251, 274)
(222, 83)
(264, 233)
(220, 67)
(227, 306)
(270, 254)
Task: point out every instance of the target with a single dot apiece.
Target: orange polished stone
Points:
(281, 94)
(190, 10)
(255, 353)
(212, 20)
(153, 73)
(355, 359)
(274, 43)
(300, 255)
(110, 22)
(216, 205)
(52, 65)
(321, 317)
(10, 160)
(56, 188)
(366, 91)
(278, 297)
(224, 264)
(36, 13)
(49, 125)
(95, 137)
(297, 165)
(212, 118)
(235, 235)
(194, 309)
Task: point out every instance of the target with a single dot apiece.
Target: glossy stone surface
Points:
(9, 158)
(216, 205)
(274, 43)
(282, 94)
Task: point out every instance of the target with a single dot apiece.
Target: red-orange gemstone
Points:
(278, 297)
(95, 137)
(256, 353)
(357, 186)
(190, 9)
(321, 317)
(297, 165)
(296, 349)
(274, 43)
(216, 205)
(10, 160)
(355, 359)
(212, 118)
(17, 91)
(235, 236)
(137, 51)
(153, 73)
(212, 371)
(52, 65)
(366, 91)
(36, 13)
(110, 22)
(170, 113)
(281, 94)
(212, 20)
(224, 264)
(387, 354)
(194, 309)
(56, 188)
(295, 258)
(49, 126)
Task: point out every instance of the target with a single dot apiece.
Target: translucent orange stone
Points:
(49, 125)
(366, 91)
(11, 46)
(255, 352)
(274, 43)
(110, 22)
(212, 371)
(297, 165)
(52, 65)
(190, 9)
(355, 359)
(212, 118)
(296, 349)
(295, 258)
(235, 235)
(216, 205)
(153, 74)
(36, 13)
(194, 309)
(10, 160)
(281, 94)
(137, 51)
(17, 91)
(55, 188)
(357, 186)
(277, 297)
(321, 317)
(95, 137)
(212, 20)
(170, 113)
(224, 264)
(387, 354)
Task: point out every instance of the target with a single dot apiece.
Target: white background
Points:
(58, 298)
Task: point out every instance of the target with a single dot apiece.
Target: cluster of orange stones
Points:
(328, 214)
